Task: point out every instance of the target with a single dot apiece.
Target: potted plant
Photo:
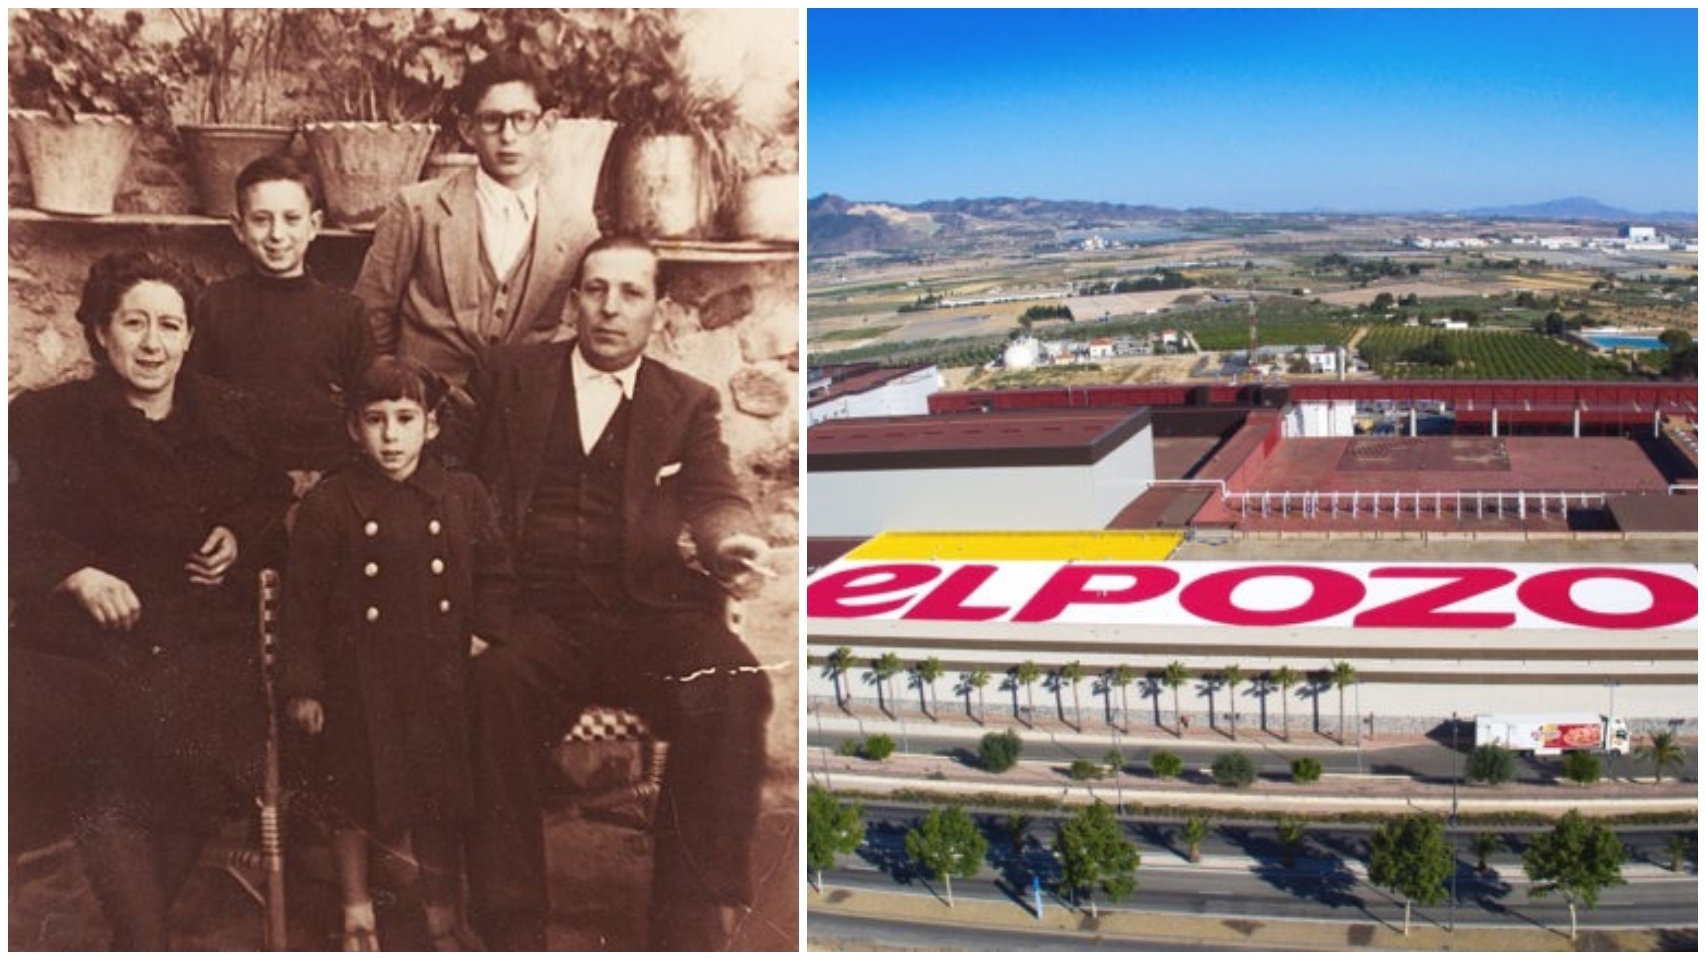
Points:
(228, 60)
(380, 73)
(769, 196)
(80, 83)
(671, 171)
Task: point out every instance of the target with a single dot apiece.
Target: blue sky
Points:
(1257, 110)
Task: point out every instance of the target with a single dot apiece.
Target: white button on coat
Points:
(372, 614)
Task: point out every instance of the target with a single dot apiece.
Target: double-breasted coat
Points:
(95, 484)
(387, 582)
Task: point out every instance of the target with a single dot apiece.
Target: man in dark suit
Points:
(612, 479)
(461, 265)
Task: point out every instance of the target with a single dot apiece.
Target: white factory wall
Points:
(864, 503)
(907, 396)
(1331, 418)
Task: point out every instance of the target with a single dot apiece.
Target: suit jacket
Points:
(677, 477)
(420, 282)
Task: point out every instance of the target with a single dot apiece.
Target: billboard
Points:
(1448, 596)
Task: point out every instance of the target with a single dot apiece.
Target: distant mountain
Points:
(837, 225)
(1570, 208)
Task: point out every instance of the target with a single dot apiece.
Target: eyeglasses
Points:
(493, 121)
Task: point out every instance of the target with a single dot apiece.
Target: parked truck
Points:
(1545, 735)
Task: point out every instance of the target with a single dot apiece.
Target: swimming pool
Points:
(1606, 341)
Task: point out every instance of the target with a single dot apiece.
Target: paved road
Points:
(1243, 875)
(1424, 760)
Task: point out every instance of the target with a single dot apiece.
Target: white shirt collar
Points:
(499, 196)
(584, 371)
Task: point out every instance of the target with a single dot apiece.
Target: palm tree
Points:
(927, 673)
(1194, 833)
(1662, 750)
(1485, 845)
(1232, 677)
(1122, 676)
(1072, 673)
(1284, 679)
(882, 668)
(1176, 676)
(1028, 673)
(1116, 763)
(977, 680)
(837, 665)
(1343, 675)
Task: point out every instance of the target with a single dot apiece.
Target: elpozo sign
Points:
(1445, 596)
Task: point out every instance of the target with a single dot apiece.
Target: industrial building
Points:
(1548, 539)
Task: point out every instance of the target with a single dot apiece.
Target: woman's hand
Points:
(218, 552)
(111, 601)
(306, 713)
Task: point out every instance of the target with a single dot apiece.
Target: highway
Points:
(1243, 876)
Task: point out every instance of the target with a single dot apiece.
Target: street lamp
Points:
(1358, 690)
(1451, 908)
(817, 714)
(1610, 718)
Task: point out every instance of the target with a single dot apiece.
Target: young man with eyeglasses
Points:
(464, 264)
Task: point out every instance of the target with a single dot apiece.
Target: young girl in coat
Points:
(397, 576)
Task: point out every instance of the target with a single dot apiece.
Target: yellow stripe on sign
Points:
(1139, 545)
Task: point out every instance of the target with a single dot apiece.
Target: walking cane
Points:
(272, 836)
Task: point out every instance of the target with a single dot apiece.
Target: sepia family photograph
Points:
(404, 536)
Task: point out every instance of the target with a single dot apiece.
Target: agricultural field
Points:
(1482, 355)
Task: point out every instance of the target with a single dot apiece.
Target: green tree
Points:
(1232, 676)
(882, 669)
(1283, 680)
(1027, 674)
(1677, 846)
(1073, 673)
(1291, 831)
(832, 829)
(1082, 769)
(1175, 676)
(1578, 859)
(1411, 858)
(1490, 764)
(947, 844)
(1662, 750)
(977, 680)
(1485, 845)
(1019, 831)
(836, 666)
(1581, 767)
(1194, 832)
(998, 752)
(1305, 770)
(878, 747)
(1675, 339)
(1166, 765)
(1234, 769)
(926, 673)
(1343, 675)
(1120, 678)
(1094, 853)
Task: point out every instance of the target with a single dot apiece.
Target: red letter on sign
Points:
(1331, 592)
(829, 596)
(1548, 594)
(1423, 609)
(946, 602)
(1069, 583)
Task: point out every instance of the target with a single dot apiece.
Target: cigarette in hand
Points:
(758, 568)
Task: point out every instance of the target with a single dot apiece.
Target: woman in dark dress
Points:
(140, 509)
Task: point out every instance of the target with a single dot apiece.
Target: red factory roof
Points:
(1008, 438)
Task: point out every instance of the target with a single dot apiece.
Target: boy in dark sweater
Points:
(295, 343)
